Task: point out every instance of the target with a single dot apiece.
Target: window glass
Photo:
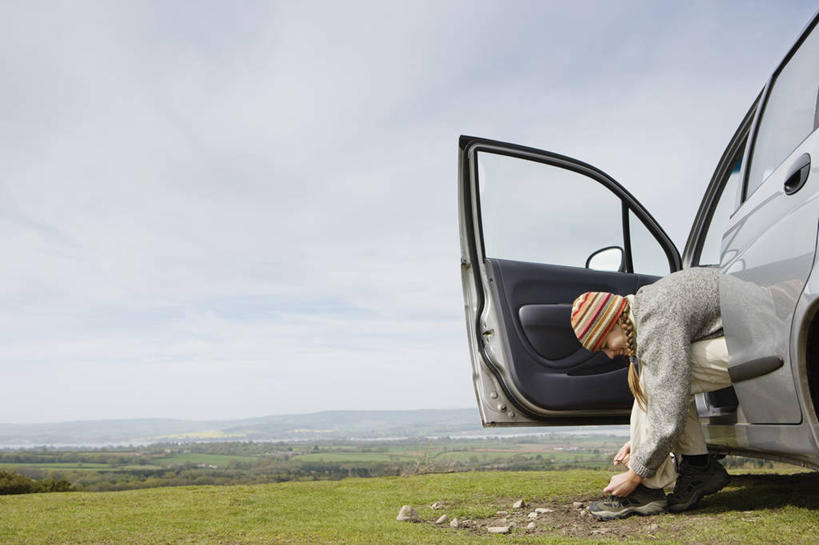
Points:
(790, 112)
(541, 213)
(712, 246)
(647, 254)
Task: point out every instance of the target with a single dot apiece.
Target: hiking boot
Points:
(695, 482)
(643, 501)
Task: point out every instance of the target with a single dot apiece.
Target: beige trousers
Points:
(708, 373)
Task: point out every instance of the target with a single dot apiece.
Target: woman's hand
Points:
(623, 484)
(623, 454)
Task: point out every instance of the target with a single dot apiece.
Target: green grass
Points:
(754, 509)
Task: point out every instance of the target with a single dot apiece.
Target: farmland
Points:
(230, 463)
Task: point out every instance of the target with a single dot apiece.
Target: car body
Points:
(758, 222)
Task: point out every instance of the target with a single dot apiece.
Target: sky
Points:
(216, 210)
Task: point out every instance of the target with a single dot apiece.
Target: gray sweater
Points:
(670, 314)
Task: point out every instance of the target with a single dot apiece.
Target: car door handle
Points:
(797, 174)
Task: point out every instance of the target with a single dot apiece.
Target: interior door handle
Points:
(798, 174)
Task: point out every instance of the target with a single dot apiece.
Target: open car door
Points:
(537, 230)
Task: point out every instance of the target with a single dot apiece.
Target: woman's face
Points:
(616, 343)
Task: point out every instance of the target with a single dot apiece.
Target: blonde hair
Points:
(631, 340)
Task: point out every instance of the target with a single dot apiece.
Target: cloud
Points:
(249, 209)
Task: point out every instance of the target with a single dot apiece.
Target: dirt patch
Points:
(565, 519)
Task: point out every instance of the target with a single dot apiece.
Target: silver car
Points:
(758, 222)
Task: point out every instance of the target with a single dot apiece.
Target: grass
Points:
(754, 509)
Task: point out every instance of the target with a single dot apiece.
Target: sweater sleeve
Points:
(667, 380)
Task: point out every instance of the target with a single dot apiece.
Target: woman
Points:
(672, 332)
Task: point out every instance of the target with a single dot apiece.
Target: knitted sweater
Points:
(670, 314)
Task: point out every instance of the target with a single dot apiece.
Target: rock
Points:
(601, 531)
(437, 505)
(652, 527)
(455, 523)
(443, 519)
(583, 513)
(532, 515)
(502, 513)
(513, 524)
(541, 510)
(531, 526)
(578, 505)
(408, 514)
(498, 529)
(520, 504)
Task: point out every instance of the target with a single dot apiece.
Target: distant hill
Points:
(327, 425)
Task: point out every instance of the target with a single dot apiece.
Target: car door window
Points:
(541, 213)
(712, 244)
(790, 113)
(647, 256)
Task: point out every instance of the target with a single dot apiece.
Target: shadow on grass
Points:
(751, 492)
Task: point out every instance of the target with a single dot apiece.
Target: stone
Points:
(498, 529)
(652, 527)
(531, 526)
(532, 515)
(520, 504)
(437, 505)
(583, 513)
(502, 513)
(408, 514)
(443, 519)
(599, 531)
(455, 523)
(542, 510)
(578, 505)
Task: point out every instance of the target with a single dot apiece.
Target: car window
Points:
(541, 213)
(712, 245)
(647, 255)
(790, 112)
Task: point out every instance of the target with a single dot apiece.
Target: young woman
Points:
(671, 331)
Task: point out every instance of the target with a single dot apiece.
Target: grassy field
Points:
(219, 460)
(754, 508)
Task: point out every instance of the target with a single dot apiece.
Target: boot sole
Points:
(652, 508)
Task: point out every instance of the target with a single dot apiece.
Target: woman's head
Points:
(595, 317)
(600, 321)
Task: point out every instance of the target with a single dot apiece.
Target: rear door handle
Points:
(798, 174)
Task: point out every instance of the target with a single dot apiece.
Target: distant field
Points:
(754, 509)
(221, 460)
(74, 466)
(352, 457)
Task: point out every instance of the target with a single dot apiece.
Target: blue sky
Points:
(221, 210)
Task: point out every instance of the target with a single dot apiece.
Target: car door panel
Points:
(551, 369)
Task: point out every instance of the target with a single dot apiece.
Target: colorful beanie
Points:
(594, 314)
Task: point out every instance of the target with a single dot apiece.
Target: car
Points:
(758, 223)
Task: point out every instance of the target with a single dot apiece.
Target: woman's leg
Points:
(709, 359)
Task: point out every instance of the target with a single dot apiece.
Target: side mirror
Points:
(609, 258)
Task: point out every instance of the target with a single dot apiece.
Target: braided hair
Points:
(631, 341)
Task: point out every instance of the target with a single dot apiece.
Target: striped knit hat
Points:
(594, 314)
